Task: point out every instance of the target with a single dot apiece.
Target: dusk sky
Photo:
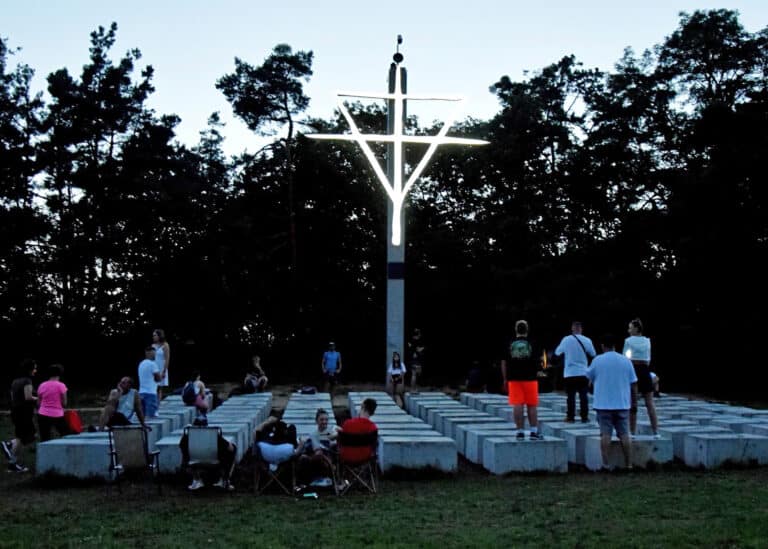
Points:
(450, 47)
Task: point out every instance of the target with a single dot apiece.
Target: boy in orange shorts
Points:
(520, 369)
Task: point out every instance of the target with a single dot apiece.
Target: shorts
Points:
(608, 420)
(24, 424)
(148, 404)
(643, 373)
(523, 392)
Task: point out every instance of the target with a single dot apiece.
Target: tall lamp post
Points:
(392, 180)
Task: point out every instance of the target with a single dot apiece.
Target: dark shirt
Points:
(17, 393)
(522, 361)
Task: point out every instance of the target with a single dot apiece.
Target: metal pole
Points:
(395, 254)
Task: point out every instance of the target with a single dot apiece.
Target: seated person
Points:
(361, 425)
(201, 403)
(476, 378)
(655, 382)
(226, 455)
(316, 462)
(123, 406)
(255, 380)
(275, 441)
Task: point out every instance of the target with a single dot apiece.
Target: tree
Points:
(22, 225)
(270, 97)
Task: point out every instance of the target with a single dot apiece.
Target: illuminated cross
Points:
(395, 189)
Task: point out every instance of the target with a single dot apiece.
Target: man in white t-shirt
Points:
(613, 376)
(149, 375)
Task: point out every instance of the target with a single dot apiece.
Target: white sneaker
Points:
(196, 485)
(656, 436)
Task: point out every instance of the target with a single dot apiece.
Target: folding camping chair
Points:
(265, 474)
(358, 461)
(129, 451)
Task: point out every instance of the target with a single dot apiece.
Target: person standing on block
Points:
(637, 348)
(579, 351)
(614, 380)
(519, 370)
(163, 359)
(149, 375)
(331, 365)
(416, 356)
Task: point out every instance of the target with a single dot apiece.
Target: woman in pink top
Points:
(52, 399)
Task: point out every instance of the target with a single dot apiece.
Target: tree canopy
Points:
(602, 196)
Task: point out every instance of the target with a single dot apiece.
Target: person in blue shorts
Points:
(331, 365)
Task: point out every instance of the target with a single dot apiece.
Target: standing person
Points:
(52, 399)
(149, 375)
(614, 379)
(579, 351)
(416, 356)
(163, 359)
(519, 370)
(396, 373)
(22, 415)
(637, 348)
(331, 365)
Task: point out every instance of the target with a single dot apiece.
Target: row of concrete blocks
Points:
(302, 409)
(87, 455)
(702, 434)
(406, 442)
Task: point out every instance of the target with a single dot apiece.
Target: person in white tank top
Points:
(637, 348)
(162, 358)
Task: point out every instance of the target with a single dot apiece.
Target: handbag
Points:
(74, 423)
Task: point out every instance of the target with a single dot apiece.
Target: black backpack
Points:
(189, 393)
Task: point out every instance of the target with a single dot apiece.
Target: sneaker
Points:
(196, 485)
(520, 436)
(536, 436)
(221, 483)
(17, 468)
(656, 436)
(8, 450)
(585, 420)
(569, 420)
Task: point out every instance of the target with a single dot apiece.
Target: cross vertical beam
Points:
(396, 113)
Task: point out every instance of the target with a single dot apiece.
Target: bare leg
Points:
(517, 412)
(605, 443)
(533, 417)
(633, 411)
(651, 407)
(626, 447)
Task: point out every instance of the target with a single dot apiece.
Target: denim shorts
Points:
(148, 404)
(608, 420)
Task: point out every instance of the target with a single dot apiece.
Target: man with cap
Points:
(331, 366)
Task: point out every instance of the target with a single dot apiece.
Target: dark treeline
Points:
(601, 197)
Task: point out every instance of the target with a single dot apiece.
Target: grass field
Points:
(673, 507)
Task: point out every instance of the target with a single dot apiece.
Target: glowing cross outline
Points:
(395, 189)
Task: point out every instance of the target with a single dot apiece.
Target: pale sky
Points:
(451, 47)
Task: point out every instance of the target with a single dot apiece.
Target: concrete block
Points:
(576, 439)
(646, 450)
(81, 457)
(644, 426)
(679, 432)
(418, 453)
(503, 455)
(475, 435)
(738, 424)
(451, 424)
(710, 450)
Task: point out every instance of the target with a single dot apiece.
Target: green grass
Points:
(673, 507)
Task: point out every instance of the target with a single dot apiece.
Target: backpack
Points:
(189, 393)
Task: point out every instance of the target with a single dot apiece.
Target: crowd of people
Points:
(618, 381)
